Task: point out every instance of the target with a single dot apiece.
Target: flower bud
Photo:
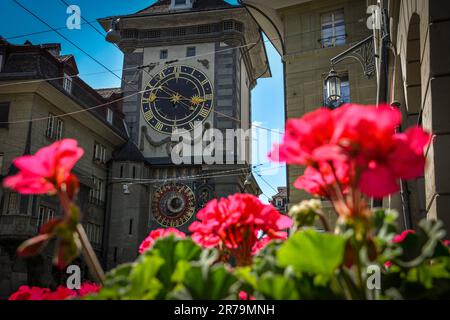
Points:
(305, 213)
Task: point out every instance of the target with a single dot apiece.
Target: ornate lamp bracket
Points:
(363, 52)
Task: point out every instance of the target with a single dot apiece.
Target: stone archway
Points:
(423, 30)
(413, 110)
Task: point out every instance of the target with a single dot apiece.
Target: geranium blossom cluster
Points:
(61, 293)
(240, 224)
(159, 233)
(48, 170)
(350, 149)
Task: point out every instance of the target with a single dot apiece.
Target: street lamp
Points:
(113, 34)
(333, 85)
(364, 53)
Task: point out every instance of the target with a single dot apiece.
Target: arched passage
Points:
(413, 97)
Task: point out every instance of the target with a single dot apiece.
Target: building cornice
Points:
(66, 105)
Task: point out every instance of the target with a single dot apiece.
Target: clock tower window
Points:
(181, 4)
(163, 54)
(190, 52)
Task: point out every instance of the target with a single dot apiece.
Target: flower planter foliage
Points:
(240, 248)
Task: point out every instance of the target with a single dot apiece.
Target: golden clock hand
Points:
(174, 92)
(198, 98)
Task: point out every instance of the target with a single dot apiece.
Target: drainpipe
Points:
(383, 77)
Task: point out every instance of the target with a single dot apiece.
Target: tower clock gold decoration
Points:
(178, 97)
(173, 205)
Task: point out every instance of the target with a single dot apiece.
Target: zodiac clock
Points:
(173, 205)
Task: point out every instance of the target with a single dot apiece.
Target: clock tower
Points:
(189, 68)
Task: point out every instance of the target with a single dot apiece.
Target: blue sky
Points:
(267, 97)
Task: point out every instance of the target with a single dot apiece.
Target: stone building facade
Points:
(129, 183)
(307, 34)
(417, 78)
(33, 114)
(420, 73)
(220, 46)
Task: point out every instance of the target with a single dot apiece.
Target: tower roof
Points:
(129, 152)
(163, 6)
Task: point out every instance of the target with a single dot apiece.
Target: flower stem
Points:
(324, 221)
(90, 256)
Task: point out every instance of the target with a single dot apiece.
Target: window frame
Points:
(163, 54)
(67, 83)
(2, 58)
(13, 210)
(99, 154)
(191, 48)
(55, 127)
(4, 122)
(2, 159)
(97, 193)
(333, 40)
(109, 115)
(45, 214)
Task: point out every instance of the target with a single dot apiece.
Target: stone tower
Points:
(189, 68)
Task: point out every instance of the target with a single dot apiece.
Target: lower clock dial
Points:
(173, 205)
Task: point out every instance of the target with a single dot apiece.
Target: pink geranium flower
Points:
(402, 236)
(303, 136)
(245, 296)
(88, 288)
(156, 234)
(319, 180)
(29, 293)
(353, 144)
(46, 171)
(260, 244)
(61, 293)
(234, 224)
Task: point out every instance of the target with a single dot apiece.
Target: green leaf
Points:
(311, 251)
(143, 283)
(278, 287)
(172, 250)
(208, 283)
(422, 245)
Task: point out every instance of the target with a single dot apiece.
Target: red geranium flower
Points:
(29, 293)
(234, 223)
(303, 136)
(245, 296)
(402, 236)
(260, 244)
(156, 234)
(61, 293)
(47, 170)
(360, 141)
(319, 180)
(88, 288)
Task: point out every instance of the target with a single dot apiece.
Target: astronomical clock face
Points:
(177, 98)
(173, 205)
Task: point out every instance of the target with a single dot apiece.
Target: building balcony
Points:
(17, 227)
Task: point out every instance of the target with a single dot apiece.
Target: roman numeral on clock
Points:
(204, 112)
(177, 71)
(209, 96)
(159, 126)
(148, 115)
